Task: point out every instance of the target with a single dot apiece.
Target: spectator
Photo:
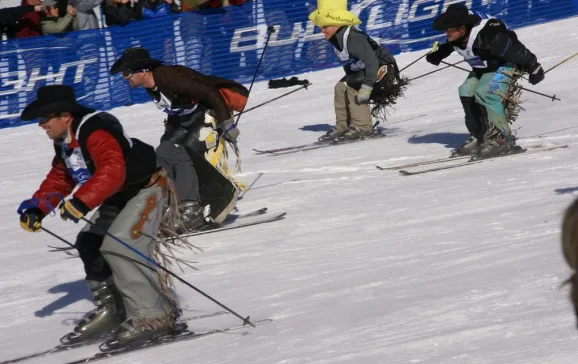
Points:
(214, 4)
(52, 23)
(21, 21)
(192, 5)
(85, 13)
(155, 8)
(120, 12)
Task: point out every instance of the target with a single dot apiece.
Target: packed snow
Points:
(456, 266)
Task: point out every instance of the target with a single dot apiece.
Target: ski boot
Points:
(105, 318)
(332, 135)
(135, 332)
(498, 146)
(191, 217)
(354, 133)
(469, 147)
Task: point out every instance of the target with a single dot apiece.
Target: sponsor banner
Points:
(229, 42)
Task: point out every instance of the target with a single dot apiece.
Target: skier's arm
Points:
(213, 99)
(359, 48)
(109, 170)
(440, 54)
(505, 45)
(204, 92)
(55, 186)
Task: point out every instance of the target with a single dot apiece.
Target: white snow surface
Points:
(456, 266)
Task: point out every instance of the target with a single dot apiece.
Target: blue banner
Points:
(228, 42)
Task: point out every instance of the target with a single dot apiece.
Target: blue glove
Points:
(73, 209)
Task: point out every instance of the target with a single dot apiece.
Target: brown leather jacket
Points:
(183, 85)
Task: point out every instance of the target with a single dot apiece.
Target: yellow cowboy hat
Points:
(333, 13)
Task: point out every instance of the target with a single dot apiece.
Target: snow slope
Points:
(457, 266)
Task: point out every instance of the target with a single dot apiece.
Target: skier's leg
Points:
(342, 116)
(109, 312)
(490, 94)
(361, 121)
(148, 298)
(473, 117)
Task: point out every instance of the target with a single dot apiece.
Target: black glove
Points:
(293, 81)
(434, 58)
(536, 75)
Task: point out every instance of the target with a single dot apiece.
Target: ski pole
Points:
(275, 99)
(441, 69)
(553, 98)
(433, 48)
(250, 186)
(152, 261)
(563, 61)
(270, 30)
(57, 237)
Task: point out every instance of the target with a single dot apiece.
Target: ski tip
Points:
(380, 168)
(404, 172)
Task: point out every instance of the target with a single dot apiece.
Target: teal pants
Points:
(487, 91)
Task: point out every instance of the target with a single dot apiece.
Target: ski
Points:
(403, 172)
(259, 212)
(472, 161)
(422, 163)
(439, 160)
(234, 225)
(316, 145)
(66, 347)
(59, 248)
(230, 219)
(182, 336)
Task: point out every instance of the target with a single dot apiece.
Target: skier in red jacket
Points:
(119, 174)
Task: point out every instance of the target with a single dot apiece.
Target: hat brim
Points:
(38, 109)
(123, 65)
(450, 20)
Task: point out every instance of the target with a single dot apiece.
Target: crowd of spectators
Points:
(38, 17)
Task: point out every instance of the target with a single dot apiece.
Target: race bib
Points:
(476, 62)
(76, 165)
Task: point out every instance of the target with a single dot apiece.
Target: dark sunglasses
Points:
(127, 74)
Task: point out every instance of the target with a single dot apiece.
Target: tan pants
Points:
(348, 112)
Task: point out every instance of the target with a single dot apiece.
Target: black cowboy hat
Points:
(53, 99)
(136, 58)
(455, 16)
